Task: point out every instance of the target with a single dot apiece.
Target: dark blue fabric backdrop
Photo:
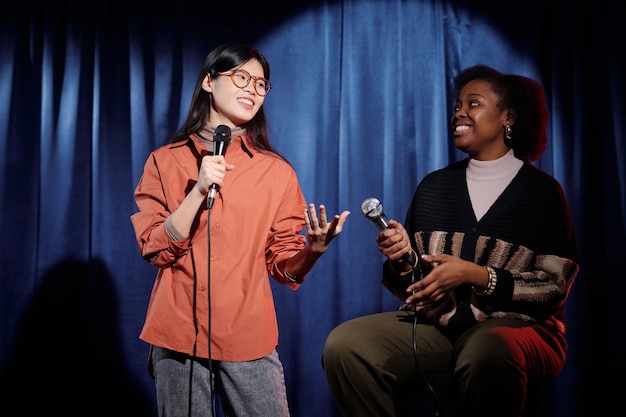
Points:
(360, 107)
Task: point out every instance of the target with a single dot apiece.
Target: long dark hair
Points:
(524, 98)
(223, 58)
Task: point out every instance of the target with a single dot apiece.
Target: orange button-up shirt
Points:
(256, 222)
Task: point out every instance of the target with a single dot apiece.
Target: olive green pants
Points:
(371, 364)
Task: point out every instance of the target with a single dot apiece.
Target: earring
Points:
(508, 131)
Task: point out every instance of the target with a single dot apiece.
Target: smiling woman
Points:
(360, 105)
(215, 260)
(498, 239)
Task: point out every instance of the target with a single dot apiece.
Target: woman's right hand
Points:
(212, 171)
(394, 243)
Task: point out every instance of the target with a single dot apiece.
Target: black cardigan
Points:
(527, 236)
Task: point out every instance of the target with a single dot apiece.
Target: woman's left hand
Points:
(319, 231)
(448, 272)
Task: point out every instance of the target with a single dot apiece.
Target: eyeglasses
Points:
(242, 78)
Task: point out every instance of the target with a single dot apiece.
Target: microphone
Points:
(221, 140)
(373, 210)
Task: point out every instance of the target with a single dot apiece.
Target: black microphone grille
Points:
(222, 132)
(371, 208)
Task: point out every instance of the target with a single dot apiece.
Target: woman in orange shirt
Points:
(211, 316)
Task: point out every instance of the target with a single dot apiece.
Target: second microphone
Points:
(372, 208)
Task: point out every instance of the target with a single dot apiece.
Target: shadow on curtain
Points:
(66, 353)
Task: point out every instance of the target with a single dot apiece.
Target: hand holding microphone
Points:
(221, 140)
(373, 210)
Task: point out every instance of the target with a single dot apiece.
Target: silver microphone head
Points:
(372, 208)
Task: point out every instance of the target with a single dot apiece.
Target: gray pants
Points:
(246, 389)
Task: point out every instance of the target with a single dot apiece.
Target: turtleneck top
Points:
(206, 134)
(487, 179)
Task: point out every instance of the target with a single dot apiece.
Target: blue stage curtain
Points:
(360, 106)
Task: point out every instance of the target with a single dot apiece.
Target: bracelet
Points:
(292, 278)
(409, 271)
(491, 283)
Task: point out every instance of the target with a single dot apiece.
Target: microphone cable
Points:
(419, 370)
(210, 361)
(211, 372)
(221, 140)
(416, 361)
